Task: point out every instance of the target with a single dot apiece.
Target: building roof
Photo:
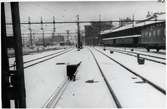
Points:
(122, 37)
(157, 18)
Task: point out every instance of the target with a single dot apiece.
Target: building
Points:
(90, 35)
(92, 32)
(57, 39)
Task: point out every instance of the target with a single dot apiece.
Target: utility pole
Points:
(78, 27)
(99, 29)
(54, 29)
(42, 32)
(29, 22)
(133, 17)
(68, 32)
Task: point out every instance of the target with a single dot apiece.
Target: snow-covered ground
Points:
(34, 56)
(144, 56)
(141, 50)
(152, 71)
(80, 94)
(42, 80)
(129, 89)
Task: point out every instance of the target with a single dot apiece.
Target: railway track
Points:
(37, 58)
(141, 55)
(55, 97)
(157, 87)
(144, 54)
(107, 83)
(43, 58)
(155, 52)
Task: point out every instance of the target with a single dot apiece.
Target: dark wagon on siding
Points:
(147, 34)
(153, 36)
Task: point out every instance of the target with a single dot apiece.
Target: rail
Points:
(55, 97)
(126, 52)
(143, 54)
(107, 83)
(163, 91)
(47, 59)
(55, 55)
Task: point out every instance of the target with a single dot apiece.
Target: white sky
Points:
(90, 10)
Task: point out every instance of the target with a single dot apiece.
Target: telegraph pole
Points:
(68, 32)
(99, 29)
(133, 18)
(78, 27)
(29, 22)
(42, 32)
(54, 29)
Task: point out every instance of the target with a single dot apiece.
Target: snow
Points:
(34, 56)
(42, 81)
(135, 25)
(141, 55)
(122, 37)
(80, 94)
(140, 50)
(152, 71)
(129, 93)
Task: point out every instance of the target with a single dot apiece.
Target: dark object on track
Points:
(140, 60)
(104, 49)
(61, 63)
(111, 52)
(91, 81)
(132, 49)
(71, 71)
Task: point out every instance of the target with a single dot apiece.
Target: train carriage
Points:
(147, 34)
(153, 36)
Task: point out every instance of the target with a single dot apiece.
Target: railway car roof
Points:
(160, 19)
(131, 26)
(121, 37)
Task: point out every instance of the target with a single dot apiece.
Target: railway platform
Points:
(102, 80)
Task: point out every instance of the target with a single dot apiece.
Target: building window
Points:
(146, 34)
(164, 32)
(158, 32)
(149, 33)
(154, 33)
